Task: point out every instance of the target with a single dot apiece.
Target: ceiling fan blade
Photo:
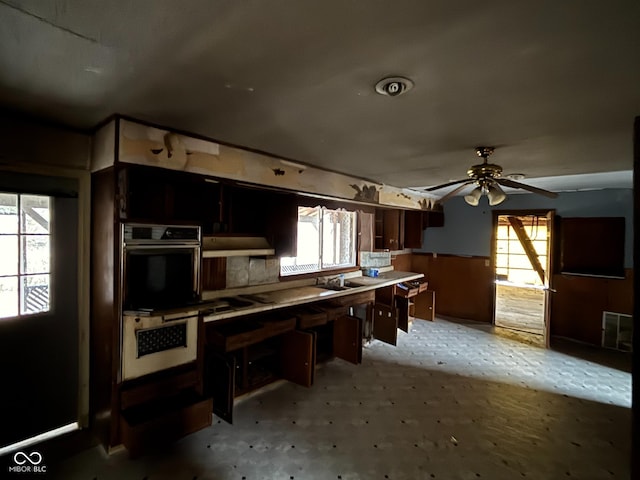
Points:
(454, 191)
(438, 187)
(510, 183)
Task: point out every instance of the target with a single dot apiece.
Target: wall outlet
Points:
(487, 263)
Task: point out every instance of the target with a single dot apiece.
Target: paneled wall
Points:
(463, 285)
(576, 308)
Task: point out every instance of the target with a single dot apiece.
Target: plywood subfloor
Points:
(520, 308)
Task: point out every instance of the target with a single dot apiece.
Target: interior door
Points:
(220, 373)
(298, 358)
(548, 284)
(347, 338)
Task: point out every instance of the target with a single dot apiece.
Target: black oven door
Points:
(161, 277)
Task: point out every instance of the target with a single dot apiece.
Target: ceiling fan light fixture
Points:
(473, 198)
(495, 194)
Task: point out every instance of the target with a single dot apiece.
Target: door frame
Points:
(544, 212)
(83, 177)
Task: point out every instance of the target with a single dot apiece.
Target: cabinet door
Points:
(298, 357)
(402, 309)
(425, 305)
(413, 227)
(220, 371)
(392, 229)
(347, 339)
(366, 235)
(385, 323)
(282, 224)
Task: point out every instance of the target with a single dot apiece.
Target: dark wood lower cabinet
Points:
(156, 423)
(298, 357)
(248, 353)
(347, 339)
(385, 323)
(220, 380)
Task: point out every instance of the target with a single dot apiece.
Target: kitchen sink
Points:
(338, 288)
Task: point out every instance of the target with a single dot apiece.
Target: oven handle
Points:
(177, 319)
(153, 246)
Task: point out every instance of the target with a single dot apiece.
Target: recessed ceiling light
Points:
(393, 86)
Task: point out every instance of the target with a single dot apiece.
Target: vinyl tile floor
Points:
(451, 401)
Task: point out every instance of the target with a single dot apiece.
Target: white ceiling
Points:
(555, 85)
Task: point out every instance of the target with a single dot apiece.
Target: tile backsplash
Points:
(375, 259)
(246, 271)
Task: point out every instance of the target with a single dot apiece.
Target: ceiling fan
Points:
(487, 178)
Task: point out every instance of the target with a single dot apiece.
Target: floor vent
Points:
(617, 331)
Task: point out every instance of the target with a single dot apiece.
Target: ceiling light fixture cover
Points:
(495, 194)
(393, 86)
(473, 198)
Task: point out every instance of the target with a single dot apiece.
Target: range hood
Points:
(223, 246)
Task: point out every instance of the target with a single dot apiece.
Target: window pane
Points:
(8, 297)
(8, 213)
(35, 214)
(307, 257)
(9, 256)
(35, 254)
(308, 236)
(35, 294)
(337, 238)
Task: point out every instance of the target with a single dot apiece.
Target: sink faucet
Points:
(338, 280)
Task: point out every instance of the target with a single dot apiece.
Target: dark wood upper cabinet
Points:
(389, 229)
(415, 222)
(158, 195)
(592, 246)
(413, 228)
(282, 223)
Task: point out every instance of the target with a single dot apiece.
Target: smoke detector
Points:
(393, 86)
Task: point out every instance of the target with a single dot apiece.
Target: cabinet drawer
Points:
(158, 423)
(406, 289)
(311, 317)
(276, 325)
(234, 335)
(334, 311)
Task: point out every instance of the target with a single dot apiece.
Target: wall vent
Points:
(617, 331)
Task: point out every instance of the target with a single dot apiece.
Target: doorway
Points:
(522, 258)
(39, 327)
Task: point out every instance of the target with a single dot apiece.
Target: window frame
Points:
(20, 275)
(334, 268)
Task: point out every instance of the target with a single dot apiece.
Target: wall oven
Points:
(161, 266)
(160, 285)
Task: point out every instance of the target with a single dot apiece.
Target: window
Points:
(25, 226)
(326, 240)
(512, 262)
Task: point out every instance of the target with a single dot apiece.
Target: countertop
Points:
(281, 298)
